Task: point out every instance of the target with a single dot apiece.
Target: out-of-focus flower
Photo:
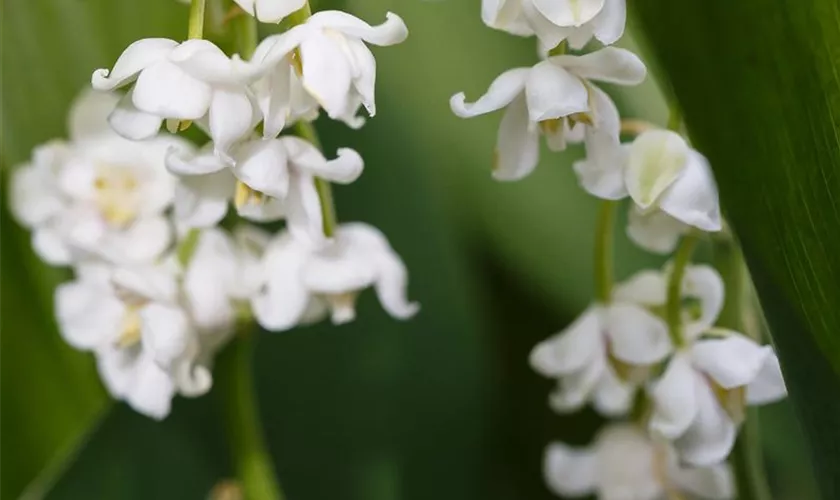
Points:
(305, 282)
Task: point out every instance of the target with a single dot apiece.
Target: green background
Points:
(443, 406)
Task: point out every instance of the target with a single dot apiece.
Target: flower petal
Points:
(612, 396)
(182, 161)
(610, 64)
(637, 336)
(151, 390)
(552, 92)
(608, 25)
(506, 15)
(88, 315)
(731, 362)
(232, 117)
(391, 32)
(646, 287)
(34, 200)
(517, 146)
(146, 282)
(710, 437)
(364, 73)
(705, 284)
(654, 231)
(210, 275)
(136, 57)
(575, 389)
(165, 90)
(88, 116)
(344, 169)
(570, 471)
(571, 349)
(285, 299)
(602, 175)
(165, 331)
(49, 245)
(675, 399)
(270, 11)
(327, 73)
(715, 482)
(143, 241)
(502, 92)
(769, 385)
(130, 122)
(657, 158)
(693, 196)
(569, 12)
(262, 164)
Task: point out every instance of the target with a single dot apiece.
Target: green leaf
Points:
(760, 90)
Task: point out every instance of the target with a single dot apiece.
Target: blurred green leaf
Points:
(761, 95)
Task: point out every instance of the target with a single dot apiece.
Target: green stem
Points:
(242, 421)
(747, 458)
(673, 304)
(196, 26)
(186, 248)
(604, 234)
(245, 35)
(674, 116)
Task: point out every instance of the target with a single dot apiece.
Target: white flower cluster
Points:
(656, 361)
(162, 277)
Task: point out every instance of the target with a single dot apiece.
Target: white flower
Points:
(223, 274)
(98, 195)
(270, 11)
(556, 97)
(336, 67)
(281, 97)
(699, 399)
(146, 346)
(181, 82)
(604, 355)
(660, 172)
(655, 231)
(554, 21)
(304, 282)
(623, 463)
(268, 179)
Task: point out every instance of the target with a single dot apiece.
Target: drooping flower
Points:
(606, 353)
(655, 231)
(97, 195)
(305, 282)
(336, 68)
(180, 83)
(146, 346)
(554, 21)
(660, 172)
(270, 11)
(268, 179)
(624, 463)
(699, 400)
(557, 98)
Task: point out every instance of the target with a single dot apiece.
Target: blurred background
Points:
(443, 406)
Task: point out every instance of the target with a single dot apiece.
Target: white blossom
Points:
(268, 179)
(660, 172)
(623, 463)
(698, 402)
(97, 195)
(336, 67)
(181, 82)
(305, 282)
(606, 353)
(270, 11)
(556, 97)
(553, 21)
(146, 346)
(655, 231)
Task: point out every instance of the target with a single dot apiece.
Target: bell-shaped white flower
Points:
(224, 272)
(144, 341)
(606, 353)
(655, 231)
(557, 97)
(576, 21)
(270, 11)
(281, 97)
(98, 195)
(698, 401)
(336, 67)
(624, 463)
(268, 179)
(304, 282)
(181, 82)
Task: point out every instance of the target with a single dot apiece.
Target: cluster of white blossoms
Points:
(647, 352)
(164, 277)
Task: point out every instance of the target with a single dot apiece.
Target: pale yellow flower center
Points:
(245, 195)
(116, 195)
(130, 327)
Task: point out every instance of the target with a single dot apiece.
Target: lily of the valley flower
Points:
(181, 82)
(270, 11)
(556, 97)
(698, 402)
(336, 67)
(268, 179)
(146, 346)
(604, 355)
(655, 231)
(98, 195)
(554, 21)
(624, 463)
(305, 282)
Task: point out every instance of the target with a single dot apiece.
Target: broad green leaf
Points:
(760, 90)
